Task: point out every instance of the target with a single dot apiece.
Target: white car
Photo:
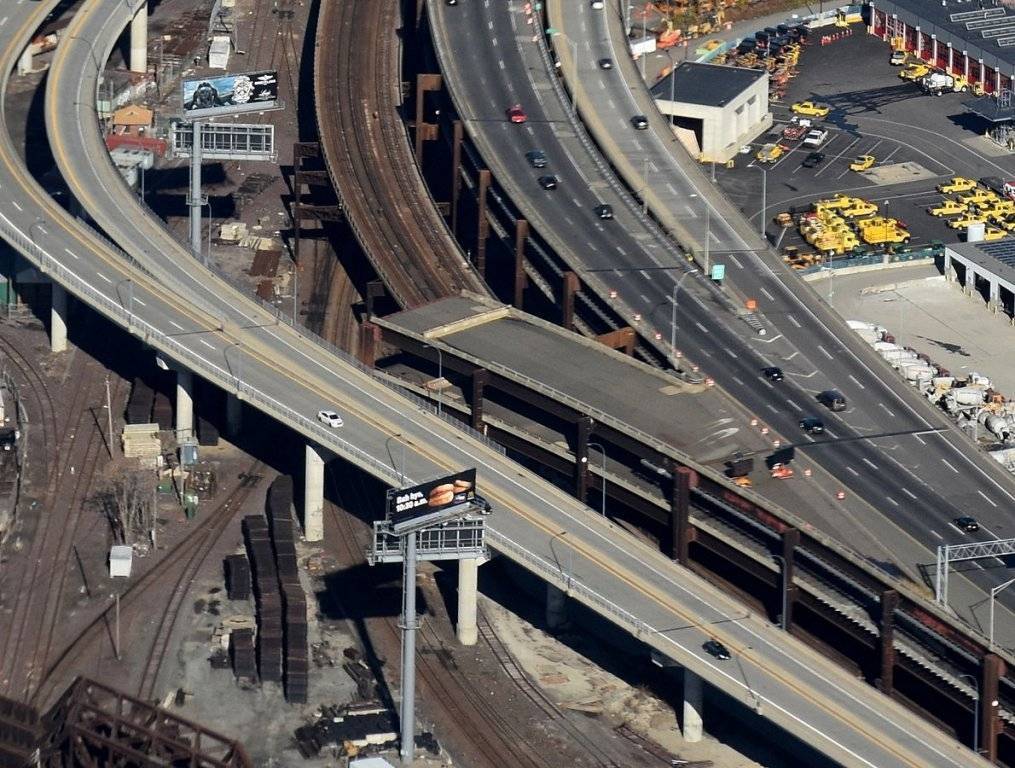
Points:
(597, 5)
(331, 418)
(815, 138)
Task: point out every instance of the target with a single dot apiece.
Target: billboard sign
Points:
(431, 497)
(225, 141)
(229, 94)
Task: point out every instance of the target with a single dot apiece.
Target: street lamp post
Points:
(602, 483)
(574, 69)
(976, 714)
(673, 85)
(993, 595)
(673, 310)
(764, 199)
(783, 619)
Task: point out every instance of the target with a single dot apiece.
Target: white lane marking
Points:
(909, 493)
(885, 408)
(794, 321)
(856, 381)
(70, 253)
(176, 325)
(734, 260)
(210, 346)
(869, 463)
(825, 351)
(138, 301)
(937, 534)
(794, 404)
(857, 474)
(771, 407)
(949, 465)
(103, 277)
(644, 298)
(920, 439)
(770, 296)
(3, 21)
(15, 204)
(987, 498)
(892, 501)
(730, 352)
(701, 328)
(739, 381)
(501, 64)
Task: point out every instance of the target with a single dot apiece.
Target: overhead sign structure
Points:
(230, 94)
(226, 141)
(426, 499)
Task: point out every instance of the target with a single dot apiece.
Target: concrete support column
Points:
(571, 285)
(919, 44)
(184, 405)
(369, 343)
(234, 415)
(556, 607)
(933, 48)
(456, 172)
(949, 270)
(970, 280)
(886, 641)
(951, 59)
(997, 81)
(983, 72)
(995, 296)
(58, 318)
(965, 65)
(692, 721)
(480, 377)
(521, 235)
(139, 40)
(25, 63)
(788, 591)
(313, 495)
(482, 225)
(468, 583)
(993, 669)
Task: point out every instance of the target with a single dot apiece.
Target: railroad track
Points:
(26, 374)
(357, 87)
(40, 589)
(180, 564)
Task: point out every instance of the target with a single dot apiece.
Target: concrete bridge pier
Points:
(556, 607)
(184, 405)
(58, 318)
(693, 725)
(468, 595)
(313, 494)
(234, 415)
(139, 40)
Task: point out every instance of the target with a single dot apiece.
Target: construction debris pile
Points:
(774, 49)
(971, 400)
(357, 730)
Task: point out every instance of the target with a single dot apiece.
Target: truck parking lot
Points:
(918, 141)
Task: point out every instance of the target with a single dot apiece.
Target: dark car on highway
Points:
(548, 182)
(812, 425)
(772, 373)
(606, 63)
(967, 524)
(604, 211)
(717, 649)
(832, 399)
(813, 160)
(640, 122)
(536, 158)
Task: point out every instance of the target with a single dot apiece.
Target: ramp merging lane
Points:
(920, 472)
(286, 375)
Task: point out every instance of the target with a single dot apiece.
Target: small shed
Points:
(714, 109)
(121, 558)
(132, 120)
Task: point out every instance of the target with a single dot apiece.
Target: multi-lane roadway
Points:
(890, 447)
(194, 318)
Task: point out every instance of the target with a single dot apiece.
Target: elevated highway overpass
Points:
(222, 335)
(902, 456)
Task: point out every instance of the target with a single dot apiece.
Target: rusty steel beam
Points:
(886, 641)
(622, 338)
(482, 225)
(456, 170)
(790, 541)
(993, 668)
(681, 532)
(583, 430)
(570, 288)
(424, 83)
(369, 343)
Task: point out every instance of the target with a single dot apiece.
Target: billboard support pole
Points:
(195, 201)
(408, 714)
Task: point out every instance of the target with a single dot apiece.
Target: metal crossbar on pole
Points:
(952, 553)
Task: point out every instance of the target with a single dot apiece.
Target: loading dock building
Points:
(714, 109)
(976, 40)
(987, 269)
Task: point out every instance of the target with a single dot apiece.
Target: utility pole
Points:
(109, 417)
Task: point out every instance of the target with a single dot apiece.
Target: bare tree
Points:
(127, 500)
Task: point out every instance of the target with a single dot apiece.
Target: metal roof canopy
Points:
(991, 109)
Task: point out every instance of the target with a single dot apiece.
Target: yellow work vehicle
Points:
(948, 207)
(811, 108)
(1000, 208)
(770, 153)
(914, 71)
(862, 163)
(831, 243)
(957, 184)
(858, 209)
(979, 198)
(994, 233)
(886, 234)
(965, 220)
(835, 203)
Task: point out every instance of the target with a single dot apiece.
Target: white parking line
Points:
(987, 498)
(701, 328)
(909, 493)
(770, 296)
(855, 473)
(793, 320)
(886, 410)
(920, 440)
(869, 463)
(949, 465)
(734, 260)
(856, 381)
(825, 351)
(892, 501)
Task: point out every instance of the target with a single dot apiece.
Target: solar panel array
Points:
(1002, 250)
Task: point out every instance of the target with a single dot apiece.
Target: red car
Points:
(516, 114)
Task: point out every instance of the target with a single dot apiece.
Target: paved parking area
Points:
(918, 141)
